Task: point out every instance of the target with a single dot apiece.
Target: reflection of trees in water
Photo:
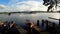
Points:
(51, 4)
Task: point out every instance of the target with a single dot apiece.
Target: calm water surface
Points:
(20, 19)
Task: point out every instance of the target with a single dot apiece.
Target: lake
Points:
(20, 19)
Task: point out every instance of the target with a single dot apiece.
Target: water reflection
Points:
(21, 18)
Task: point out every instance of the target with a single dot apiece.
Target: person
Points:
(30, 24)
(9, 26)
(5, 27)
(12, 24)
(12, 28)
(43, 23)
(46, 21)
(2, 27)
(37, 22)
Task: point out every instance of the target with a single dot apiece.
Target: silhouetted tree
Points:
(51, 4)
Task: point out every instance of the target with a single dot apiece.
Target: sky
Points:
(22, 5)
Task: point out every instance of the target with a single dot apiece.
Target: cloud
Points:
(30, 6)
(5, 8)
(24, 6)
(2, 6)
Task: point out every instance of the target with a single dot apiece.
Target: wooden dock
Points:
(36, 29)
(21, 30)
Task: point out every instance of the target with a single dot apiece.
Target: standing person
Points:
(59, 22)
(42, 23)
(10, 26)
(5, 27)
(30, 25)
(37, 22)
(46, 25)
(2, 25)
(1, 28)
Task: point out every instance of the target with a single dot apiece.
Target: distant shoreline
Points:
(30, 12)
